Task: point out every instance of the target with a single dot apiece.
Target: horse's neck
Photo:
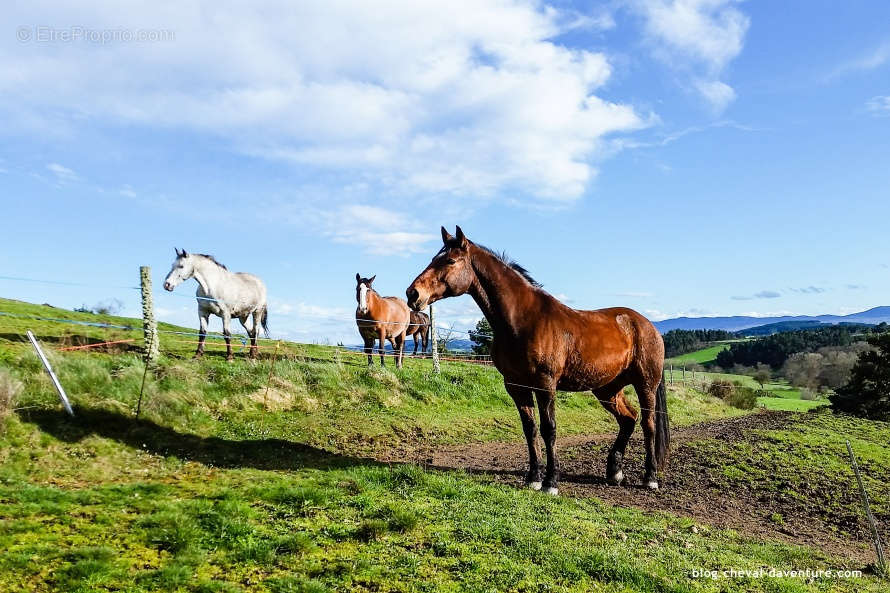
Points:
(503, 295)
(210, 276)
(375, 302)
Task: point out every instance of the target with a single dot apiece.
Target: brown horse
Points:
(383, 318)
(541, 345)
(419, 328)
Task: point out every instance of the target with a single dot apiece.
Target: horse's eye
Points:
(451, 261)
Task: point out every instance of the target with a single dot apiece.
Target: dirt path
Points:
(687, 489)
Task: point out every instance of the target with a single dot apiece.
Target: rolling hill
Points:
(741, 322)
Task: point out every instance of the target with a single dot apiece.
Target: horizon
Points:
(699, 159)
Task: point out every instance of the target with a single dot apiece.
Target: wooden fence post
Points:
(436, 367)
(875, 536)
(149, 324)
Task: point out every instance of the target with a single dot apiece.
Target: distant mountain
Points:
(741, 322)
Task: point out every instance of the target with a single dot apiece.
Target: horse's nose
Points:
(412, 295)
(167, 286)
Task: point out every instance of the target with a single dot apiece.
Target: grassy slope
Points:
(319, 396)
(806, 461)
(209, 493)
(702, 356)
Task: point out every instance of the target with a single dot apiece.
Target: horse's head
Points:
(183, 269)
(362, 288)
(449, 274)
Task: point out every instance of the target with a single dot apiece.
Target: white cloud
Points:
(700, 37)
(377, 230)
(402, 95)
(718, 94)
(879, 106)
(874, 58)
(127, 191)
(62, 173)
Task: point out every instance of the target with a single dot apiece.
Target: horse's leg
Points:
(251, 334)
(369, 350)
(646, 394)
(203, 320)
(612, 398)
(382, 331)
(257, 315)
(547, 411)
(525, 403)
(415, 343)
(401, 342)
(227, 334)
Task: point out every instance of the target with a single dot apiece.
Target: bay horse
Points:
(224, 294)
(383, 318)
(419, 326)
(540, 345)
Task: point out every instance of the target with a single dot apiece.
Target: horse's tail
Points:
(662, 426)
(265, 320)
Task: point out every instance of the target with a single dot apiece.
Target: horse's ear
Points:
(460, 238)
(446, 236)
(184, 254)
(371, 279)
(358, 277)
(176, 249)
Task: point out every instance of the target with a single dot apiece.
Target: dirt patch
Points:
(689, 488)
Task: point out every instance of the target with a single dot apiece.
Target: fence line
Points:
(211, 299)
(96, 324)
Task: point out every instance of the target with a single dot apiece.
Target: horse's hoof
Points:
(551, 490)
(534, 485)
(230, 359)
(616, 479)
(652, 484)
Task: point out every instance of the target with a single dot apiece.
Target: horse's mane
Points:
(511, 263)
(213, 259)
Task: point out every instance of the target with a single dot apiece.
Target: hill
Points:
(872, 316)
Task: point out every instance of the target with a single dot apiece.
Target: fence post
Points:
(149, 324)
(876, 538)
(672, 375)
(436, 368)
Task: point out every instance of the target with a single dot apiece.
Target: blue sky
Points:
(700, 157)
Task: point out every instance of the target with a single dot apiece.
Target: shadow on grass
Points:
(265, 454)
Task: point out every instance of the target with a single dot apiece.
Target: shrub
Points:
(720, 388)
(742, 397)
(736, 395)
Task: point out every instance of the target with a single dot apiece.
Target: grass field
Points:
(209, 491)
(784, 397)
(703, 356)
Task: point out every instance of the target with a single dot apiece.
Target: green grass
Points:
(784, 397)
(805, 461)
(208, 491)
(318, 395)
(703, 356)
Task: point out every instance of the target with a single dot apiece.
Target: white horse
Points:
(222, 293)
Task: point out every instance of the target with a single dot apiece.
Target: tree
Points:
(481, 337)
(762, 375)
(444, 335)
(867, 394)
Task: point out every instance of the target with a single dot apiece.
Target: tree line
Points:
(683, 341)
(776, 349)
